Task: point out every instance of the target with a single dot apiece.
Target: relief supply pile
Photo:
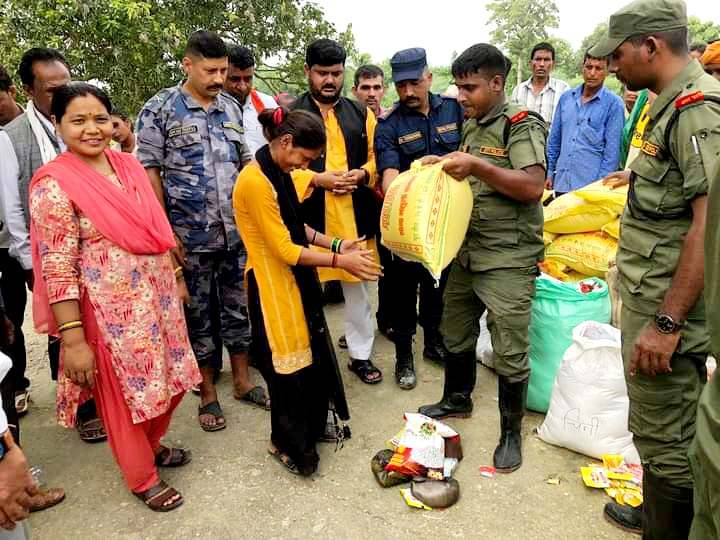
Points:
(582, 230)
(426, 453)
(425, 216)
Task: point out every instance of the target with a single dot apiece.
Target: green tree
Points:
(566, 67)
(519, 25)
(704, 31)
(134, 47)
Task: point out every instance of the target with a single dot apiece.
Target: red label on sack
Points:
(689, 99)
(519, 116)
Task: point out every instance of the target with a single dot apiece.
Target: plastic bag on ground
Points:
(589, 405)
(425, 216)
(483, 349)
(556, 310)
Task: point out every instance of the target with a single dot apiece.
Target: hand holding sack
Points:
(425, 216)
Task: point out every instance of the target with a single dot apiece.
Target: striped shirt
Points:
(543, 103)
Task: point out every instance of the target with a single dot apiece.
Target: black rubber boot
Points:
(434, 347)
(511, 400)
(624, 517)
(667, 509)
(460, 374)
(405, 365)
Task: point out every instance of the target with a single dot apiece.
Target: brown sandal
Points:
(46, 498)
(172, 457)
(156, 498)
(91, 431)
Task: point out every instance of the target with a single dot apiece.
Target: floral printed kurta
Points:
(134, 299)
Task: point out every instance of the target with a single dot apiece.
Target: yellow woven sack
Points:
(598, 193)
(569, 214)
(612, 229)
(425, 216)
(589, 253)
(548, 237)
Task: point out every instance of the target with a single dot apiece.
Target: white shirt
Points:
(10, 193)
(545, 102)
(5, 365)
(253, 130)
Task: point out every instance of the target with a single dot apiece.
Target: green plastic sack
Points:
(557, 309)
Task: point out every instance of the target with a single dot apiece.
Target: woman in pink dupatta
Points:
(104, 283)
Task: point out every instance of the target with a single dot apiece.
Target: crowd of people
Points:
(221, 218)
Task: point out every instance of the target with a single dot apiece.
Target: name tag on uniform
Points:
(650, 149)
(410, 137)
(447, 127)
(491, 151)
(234, 126)
(182, 130)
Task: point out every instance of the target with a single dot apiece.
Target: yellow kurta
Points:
(339, 210)
(271, 253)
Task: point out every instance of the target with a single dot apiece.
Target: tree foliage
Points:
(519, 25)
(134, 46)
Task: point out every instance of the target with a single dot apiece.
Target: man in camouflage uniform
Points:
(660, 257)
(190, 140)
(496, 267)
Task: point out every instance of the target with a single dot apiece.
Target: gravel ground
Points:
(233, 489)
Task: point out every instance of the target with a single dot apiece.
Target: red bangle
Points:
(334, 260)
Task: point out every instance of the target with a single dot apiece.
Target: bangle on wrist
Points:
(334, 260)
(69, 326)
(314, 237)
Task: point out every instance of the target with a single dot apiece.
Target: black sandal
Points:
(213, 409)
(173, 457)
(91, 431)
(364, 369)
(284, 460)
(156, 497)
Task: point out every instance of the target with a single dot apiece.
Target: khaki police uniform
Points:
(497, 265)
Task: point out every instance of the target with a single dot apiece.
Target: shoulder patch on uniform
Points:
(387, 112)
(452, 126)
(519, 117)
(414, 136)
(234, 126)
(491, 151)
(182, 130)
(650, 149)
(684, 101)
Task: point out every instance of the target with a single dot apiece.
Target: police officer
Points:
(420, 124)
(660, 256)
(496, 267)
(190, 140)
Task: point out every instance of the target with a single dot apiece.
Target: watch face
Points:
(665, 324)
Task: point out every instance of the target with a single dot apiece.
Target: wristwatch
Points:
(665, 324)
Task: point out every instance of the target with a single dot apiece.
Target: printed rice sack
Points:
(425, 216)
(569, 214)
(588, 253)
(600, 194)
(612, 229)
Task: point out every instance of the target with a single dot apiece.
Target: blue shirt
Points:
(200, 154)
(404, 135)
(585, 138)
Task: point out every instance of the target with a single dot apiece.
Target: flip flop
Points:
(284, 460)
(213, 409)
(173, 457)
(22, 402)
(256, 397)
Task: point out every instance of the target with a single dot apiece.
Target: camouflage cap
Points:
(639, 18)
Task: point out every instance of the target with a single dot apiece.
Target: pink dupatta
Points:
(132, 218)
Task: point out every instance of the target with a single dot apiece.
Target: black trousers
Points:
(385, 298)
(14, 293)
(404, 279)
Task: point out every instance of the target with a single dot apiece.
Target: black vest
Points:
(352, 118)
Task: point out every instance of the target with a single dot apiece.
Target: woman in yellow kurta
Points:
(290, 337)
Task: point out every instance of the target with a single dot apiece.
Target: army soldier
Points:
(190, 140)
(497, 264)
(661, 255)
(420, 124)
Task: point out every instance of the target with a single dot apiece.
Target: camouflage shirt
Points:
(199, 154)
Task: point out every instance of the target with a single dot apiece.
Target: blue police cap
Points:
(408, 65)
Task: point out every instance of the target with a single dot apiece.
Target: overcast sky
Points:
(382, 27)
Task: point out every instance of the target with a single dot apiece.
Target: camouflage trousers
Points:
(217, 315)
